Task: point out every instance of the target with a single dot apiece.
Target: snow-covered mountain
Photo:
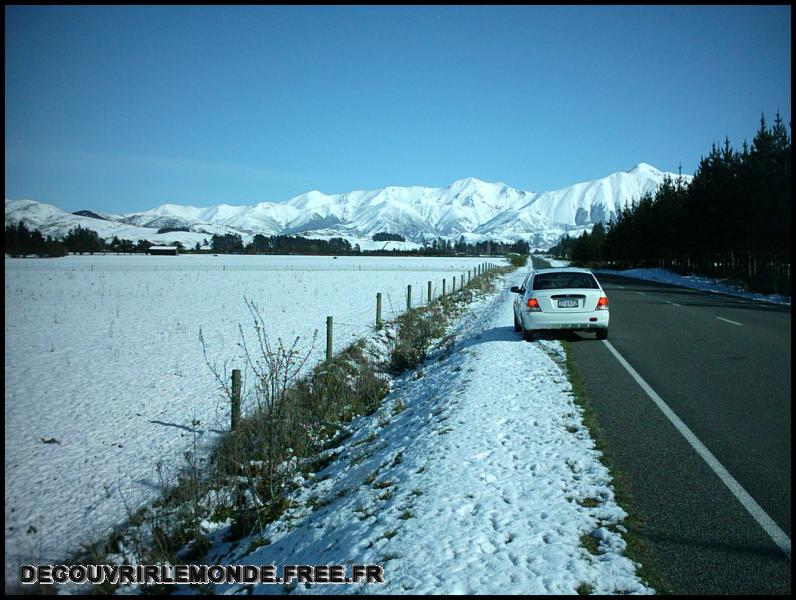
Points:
(471, 208)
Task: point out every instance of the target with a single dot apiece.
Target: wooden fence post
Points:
(378, 310)
(443, 288)
(429, 292)
(235, 399)
(454, 284)
(329, 330)
(408, 297)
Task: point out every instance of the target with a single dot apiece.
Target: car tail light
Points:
(533, 304)
(602, 303)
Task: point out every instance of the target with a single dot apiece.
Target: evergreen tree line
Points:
(280, 244)
(285, 244)
(732, 221)
(442, 247)
(20, 241)
(383, 236)
(487, 247)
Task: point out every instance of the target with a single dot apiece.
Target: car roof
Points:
(562, 270)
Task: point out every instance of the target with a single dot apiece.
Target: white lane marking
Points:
(641, 293)
(773, 530)
(673, 303)
(728, 321)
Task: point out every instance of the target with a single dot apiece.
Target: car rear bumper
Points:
(583, 321)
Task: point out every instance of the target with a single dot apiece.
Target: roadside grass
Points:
(588, 542)
(638, 549)
(518, 260)
(584, 589)
(248, 476)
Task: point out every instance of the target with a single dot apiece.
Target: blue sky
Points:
(120, 109)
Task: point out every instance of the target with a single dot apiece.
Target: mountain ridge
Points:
(468, 207)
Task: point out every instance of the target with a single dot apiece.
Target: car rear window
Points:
(556, 281)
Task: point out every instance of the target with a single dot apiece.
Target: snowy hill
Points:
(469, 207)
(52, 221)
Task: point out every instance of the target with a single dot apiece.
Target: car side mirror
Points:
(516, 289)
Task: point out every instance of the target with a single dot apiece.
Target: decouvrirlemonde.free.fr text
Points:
(200, 574)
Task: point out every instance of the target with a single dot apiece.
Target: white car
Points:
(569, 299)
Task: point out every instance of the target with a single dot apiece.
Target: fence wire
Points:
(24, 265)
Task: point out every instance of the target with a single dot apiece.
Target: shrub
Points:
(417, 329)
(517, 260)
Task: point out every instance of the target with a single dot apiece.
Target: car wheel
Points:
(517, 326)
(527, 335)
(602, 334)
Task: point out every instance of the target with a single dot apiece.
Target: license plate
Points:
(567, 304)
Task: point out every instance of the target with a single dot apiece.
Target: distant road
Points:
(722, 365)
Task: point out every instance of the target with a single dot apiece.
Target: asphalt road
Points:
(722, 364)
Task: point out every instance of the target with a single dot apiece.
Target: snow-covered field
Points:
(104, 371)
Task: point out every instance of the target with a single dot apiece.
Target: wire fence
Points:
(24, 265)
(422, 297)
(370, 319)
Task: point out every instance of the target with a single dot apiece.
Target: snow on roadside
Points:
(697, 282)
(475, 476)
(556, 263)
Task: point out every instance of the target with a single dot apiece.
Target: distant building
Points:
(163, 250)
